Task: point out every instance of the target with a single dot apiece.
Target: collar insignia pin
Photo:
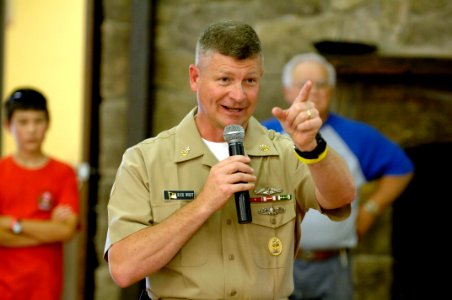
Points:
(264, 148)
(185, 151)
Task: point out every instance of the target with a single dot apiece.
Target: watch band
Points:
(316, 155)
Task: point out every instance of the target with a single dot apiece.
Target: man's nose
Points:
(238, 92)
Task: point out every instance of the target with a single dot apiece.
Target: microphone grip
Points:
(242, 206)
(242, 199)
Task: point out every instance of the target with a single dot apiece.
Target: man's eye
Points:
(319, 84)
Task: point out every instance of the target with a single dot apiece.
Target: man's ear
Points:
(193, 73)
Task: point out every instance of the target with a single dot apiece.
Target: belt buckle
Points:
(308, 255)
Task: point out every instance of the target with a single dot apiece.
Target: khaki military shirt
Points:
(224, 259)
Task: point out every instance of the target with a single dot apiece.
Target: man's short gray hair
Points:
(307, 57)
(230, 38)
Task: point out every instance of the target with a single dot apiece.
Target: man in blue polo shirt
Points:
(322, 269)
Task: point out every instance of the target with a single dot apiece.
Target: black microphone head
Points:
(234, 133)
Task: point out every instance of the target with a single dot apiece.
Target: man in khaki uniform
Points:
(172, 217)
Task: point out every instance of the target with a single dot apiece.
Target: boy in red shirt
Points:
(39, 204)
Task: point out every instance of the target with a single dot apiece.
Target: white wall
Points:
(44, 48)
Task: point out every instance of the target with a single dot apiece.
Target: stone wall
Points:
(398, 28)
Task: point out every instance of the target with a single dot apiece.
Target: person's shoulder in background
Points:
(378, 155)
(273, 123)
(354, 131)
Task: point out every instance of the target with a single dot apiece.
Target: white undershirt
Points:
(220, 150)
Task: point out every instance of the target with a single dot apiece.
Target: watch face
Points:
(17, 227)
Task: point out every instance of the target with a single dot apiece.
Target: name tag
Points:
(179, 195)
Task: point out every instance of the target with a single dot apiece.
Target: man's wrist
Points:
(372, 207)
(16, 225)
(316, 155)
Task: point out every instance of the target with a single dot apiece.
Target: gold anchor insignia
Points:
(275, 246)
(264, 148)
(185, 151)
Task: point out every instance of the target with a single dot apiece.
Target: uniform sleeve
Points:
(306, 196)
(129, 208)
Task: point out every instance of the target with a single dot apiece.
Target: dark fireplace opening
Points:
(421, 226)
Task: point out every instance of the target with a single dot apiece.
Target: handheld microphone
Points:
(234, 135)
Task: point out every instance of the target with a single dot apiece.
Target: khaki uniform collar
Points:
(189, 143)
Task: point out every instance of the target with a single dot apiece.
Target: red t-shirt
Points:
(34, 273)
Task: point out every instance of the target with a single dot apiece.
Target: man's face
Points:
(227, 90)
(28, 128)
(321, 90)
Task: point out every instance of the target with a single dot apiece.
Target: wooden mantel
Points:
(385, 65)
(407, 98)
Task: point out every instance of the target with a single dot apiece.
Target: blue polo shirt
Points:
(369, 156)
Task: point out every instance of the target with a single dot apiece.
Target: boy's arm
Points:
(9, 239)
(60, 228)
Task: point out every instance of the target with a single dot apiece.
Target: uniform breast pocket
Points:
(191, 253)
(272, 233)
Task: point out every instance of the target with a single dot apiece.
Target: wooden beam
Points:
(385, 65)
(141, 66)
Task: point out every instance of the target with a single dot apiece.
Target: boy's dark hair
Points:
(230, 38)
(25, 99)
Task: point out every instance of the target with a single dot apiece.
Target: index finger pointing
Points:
(303, 95)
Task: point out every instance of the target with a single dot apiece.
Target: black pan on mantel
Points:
(344, 47)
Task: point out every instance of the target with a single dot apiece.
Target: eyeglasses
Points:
(318, 84)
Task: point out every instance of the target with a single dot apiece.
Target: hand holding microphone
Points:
(234, 135)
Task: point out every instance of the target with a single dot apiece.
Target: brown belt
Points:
(319, 255)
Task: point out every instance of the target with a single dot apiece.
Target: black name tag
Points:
(179, 195)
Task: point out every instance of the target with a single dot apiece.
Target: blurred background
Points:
(116, 72)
